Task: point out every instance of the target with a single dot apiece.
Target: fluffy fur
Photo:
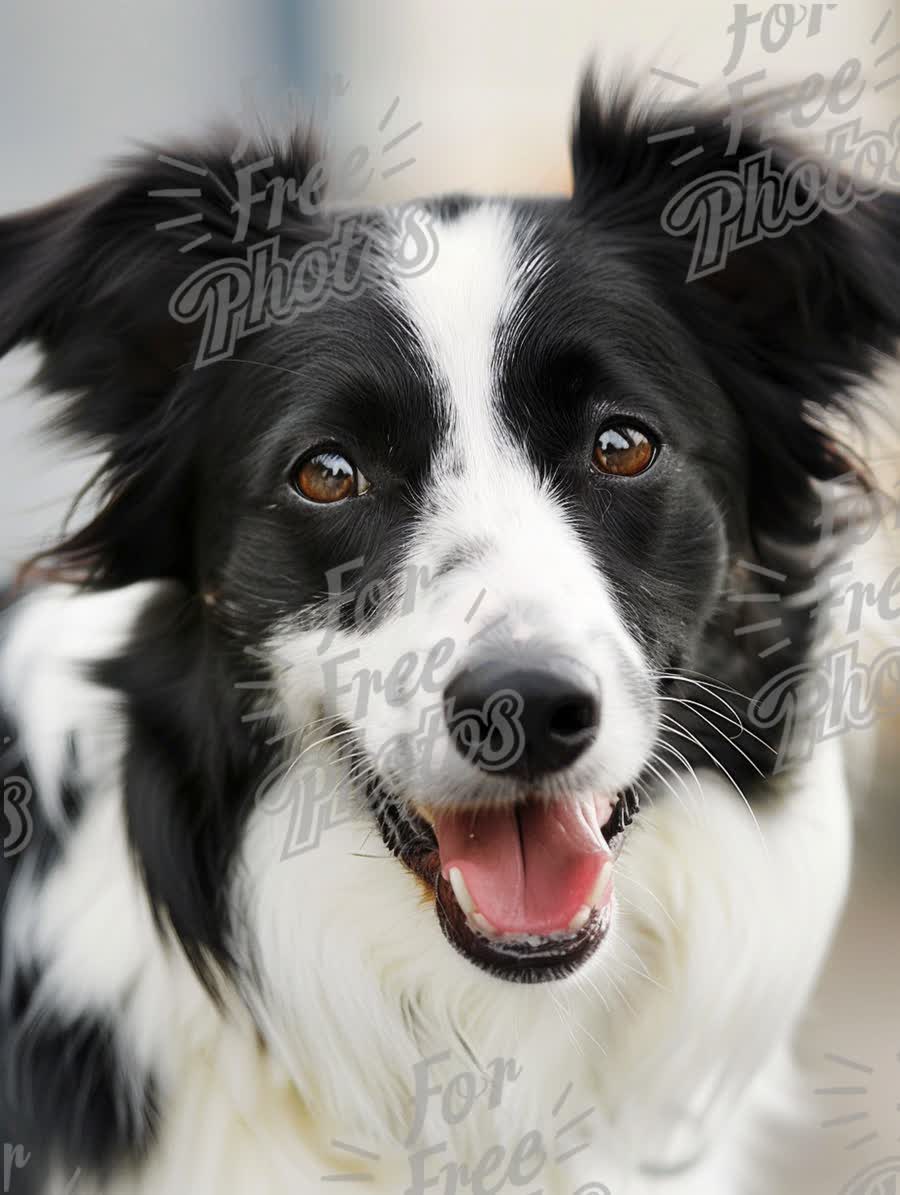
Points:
(187, 1003)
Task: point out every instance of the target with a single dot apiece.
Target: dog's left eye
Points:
(328, 477)
(623, 451)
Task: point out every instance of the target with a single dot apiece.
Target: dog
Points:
(408, 756)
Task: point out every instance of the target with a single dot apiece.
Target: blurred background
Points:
(473, 95)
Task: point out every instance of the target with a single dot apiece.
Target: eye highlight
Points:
(327, 476)
(623, 451)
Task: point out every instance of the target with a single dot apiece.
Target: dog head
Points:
(441, 542)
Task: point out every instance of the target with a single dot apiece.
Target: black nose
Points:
(522, 720)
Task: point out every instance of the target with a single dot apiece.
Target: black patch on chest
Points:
(66, 1103)
(63, 1098)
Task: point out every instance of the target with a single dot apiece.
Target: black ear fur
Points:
(788, 326)
(834, 278)
(90, 278)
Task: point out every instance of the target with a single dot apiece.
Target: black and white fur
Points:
(183, 1008)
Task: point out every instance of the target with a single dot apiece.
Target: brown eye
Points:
(328, 477)
(623, 451)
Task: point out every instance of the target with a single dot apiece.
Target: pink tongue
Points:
(527, 869)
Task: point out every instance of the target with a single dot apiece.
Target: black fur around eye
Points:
(623, 451)
(327, 476)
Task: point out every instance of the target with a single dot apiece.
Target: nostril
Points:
(573, 717)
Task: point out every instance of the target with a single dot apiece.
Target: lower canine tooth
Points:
(483, 925)
(461, 892)
(603, 881)
(580, 920)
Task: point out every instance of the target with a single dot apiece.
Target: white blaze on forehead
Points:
(465, 307)
(458, 307)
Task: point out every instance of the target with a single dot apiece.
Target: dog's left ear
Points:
(795, 248)
(783, 270)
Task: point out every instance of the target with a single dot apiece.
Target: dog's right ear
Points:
(91, 280)
(91, 276)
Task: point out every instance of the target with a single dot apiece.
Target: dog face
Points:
(471, 530)
(490, 666)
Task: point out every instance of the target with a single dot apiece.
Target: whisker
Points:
(623, 871)
(682, 733)
(740, 750)
(663, 780)
(685, 763)
(737, 719)
(710, 685)
(641, 970)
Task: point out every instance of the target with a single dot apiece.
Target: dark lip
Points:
(517, 961)
(411, 839)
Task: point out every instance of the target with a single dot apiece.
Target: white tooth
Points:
(602, 884)
(580, 920)
(483, 925)
(461, 892)
(605, 919)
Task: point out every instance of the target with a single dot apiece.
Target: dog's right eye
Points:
(623, 451)
(327, 477)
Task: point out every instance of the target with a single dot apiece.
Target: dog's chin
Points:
(520, 924)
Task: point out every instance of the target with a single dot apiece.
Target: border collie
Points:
(397, 801)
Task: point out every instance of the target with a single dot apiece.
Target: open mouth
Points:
(522, 890)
